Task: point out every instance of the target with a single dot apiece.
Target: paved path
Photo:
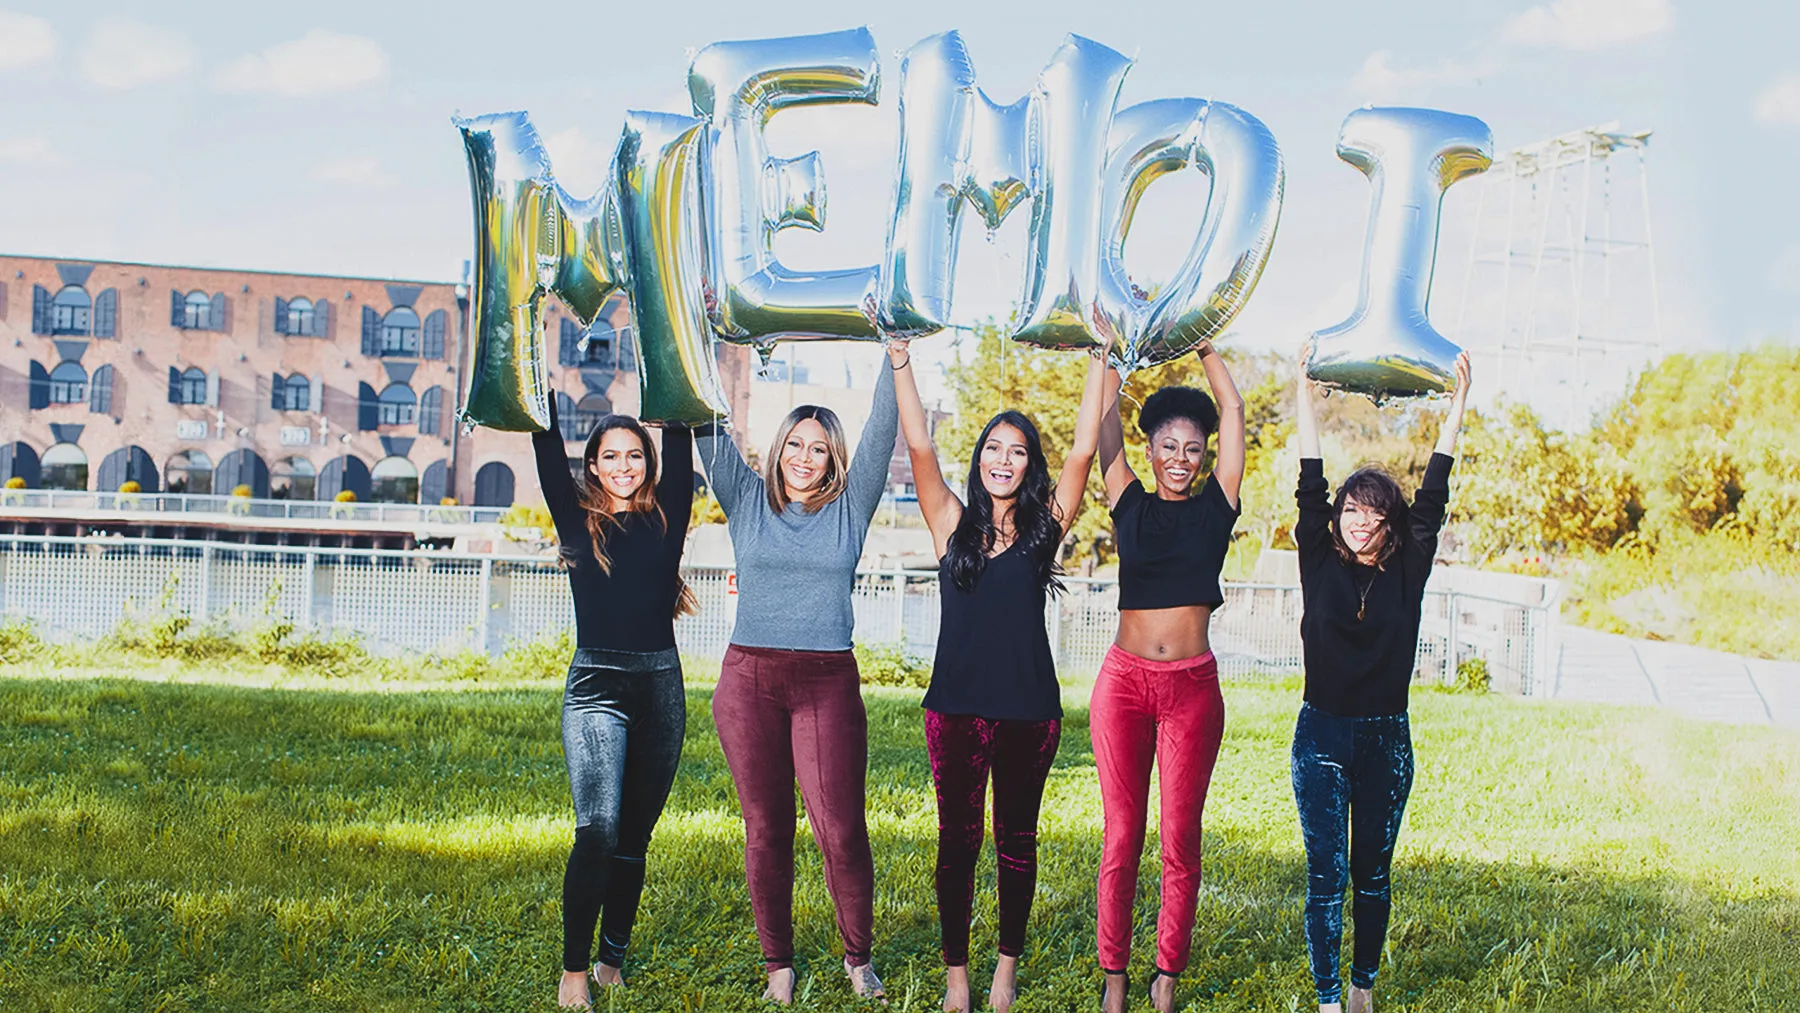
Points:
(1711, 685)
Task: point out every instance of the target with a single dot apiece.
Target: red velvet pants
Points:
(1170, 712)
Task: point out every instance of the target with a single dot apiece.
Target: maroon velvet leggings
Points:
(798, 715)
(963, 748)
(1172, 712)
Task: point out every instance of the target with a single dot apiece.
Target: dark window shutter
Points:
(431, 410)
(368, 408)
(625, 345)
(40, 310)
(567, 354)
(281, 320)
(219, 308)
(106, 314)
(177, 309)
(40, 386)
(278, 393)
(174, 385)
(321, 320)
(100, 391)
(371, 331)
(434, 485)
(434, 335)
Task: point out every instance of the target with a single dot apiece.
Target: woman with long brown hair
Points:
(789, 702)
(624, 711)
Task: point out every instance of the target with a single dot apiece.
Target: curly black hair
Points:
(1189, 403)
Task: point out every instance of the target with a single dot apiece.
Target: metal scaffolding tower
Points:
(1560, 283)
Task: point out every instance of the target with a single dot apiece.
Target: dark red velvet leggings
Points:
(1171, 712)
(786, 716)
(963, 749)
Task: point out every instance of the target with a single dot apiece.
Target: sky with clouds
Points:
(317, 137)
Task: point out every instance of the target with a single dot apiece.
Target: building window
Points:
(68, 384)
(293, 478)
(197, 308)
(189, 472)
(587, 414)
(64, 466)
(70, 311)
(400, 332)
(394, 480)
(431, 410)
(299, 317)
(193, 386)
(397, 403)
(299, 393)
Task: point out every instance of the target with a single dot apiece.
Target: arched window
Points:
(588, 412)
(68, 384)
(299, 316)
(198, 310)
(400, 332)
(431, 411)
(193, 385)
(494, 485)
(397, 403)
(64, 466)
(394, 480)
(70, 311)
(293, 478)
(189, 471)
(299, 393)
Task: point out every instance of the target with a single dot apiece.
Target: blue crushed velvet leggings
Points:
(1352, 773)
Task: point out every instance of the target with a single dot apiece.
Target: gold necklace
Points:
(1362, 602)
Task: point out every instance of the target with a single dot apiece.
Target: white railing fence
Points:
(418, 600)
(197, 505)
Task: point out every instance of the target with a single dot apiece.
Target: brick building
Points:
(193, 380)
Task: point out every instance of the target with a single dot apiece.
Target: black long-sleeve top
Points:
(1362, 668)
(633, 607)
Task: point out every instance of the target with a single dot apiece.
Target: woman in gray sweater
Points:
(789, 701)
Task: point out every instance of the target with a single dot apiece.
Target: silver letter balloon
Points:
(1388, 348)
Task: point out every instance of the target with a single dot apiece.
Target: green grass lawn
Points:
(173, 838)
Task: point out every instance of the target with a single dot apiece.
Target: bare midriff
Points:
(1165, 634)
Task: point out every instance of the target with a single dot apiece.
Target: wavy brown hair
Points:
(837, 469)
(596, 501)
(1375, 489)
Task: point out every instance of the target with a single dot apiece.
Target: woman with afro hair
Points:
(1157, 697)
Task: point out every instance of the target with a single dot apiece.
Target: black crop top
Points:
(633, 607)
(993, 651)
(1171, 551)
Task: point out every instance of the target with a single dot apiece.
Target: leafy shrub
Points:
(16, 482)
(346, 496)
(1472, 675)
(890, 665)
(18, 641)
(130, 487)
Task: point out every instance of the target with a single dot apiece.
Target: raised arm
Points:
(1071, 485)
(1426, 517)
(1111, 446)
(1312, 529)
(940, 507)
(675, 486)
(1452, 427)
(1228, 468)
(875, 450)
(730, 478)
(557, 485)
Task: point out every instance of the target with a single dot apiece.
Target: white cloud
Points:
(28, 151)
(1779, 103)
(582, 164)
(314, 64)
(1590, 24)
(1381, 80)
(355, 170)
(126, 54)
(25, 40)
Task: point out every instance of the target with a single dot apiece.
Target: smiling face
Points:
(619, 465)
(1176, 450)
(1362, 528)
(1004, 456)
(805, 459)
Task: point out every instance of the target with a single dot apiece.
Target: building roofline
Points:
(235, 270)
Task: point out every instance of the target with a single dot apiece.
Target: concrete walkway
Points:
(1710, 685)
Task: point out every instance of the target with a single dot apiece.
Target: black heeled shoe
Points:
(1150, 985)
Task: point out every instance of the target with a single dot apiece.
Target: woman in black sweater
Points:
(624, 710)
(1364, 560)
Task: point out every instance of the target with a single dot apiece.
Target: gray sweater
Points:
(796, 570)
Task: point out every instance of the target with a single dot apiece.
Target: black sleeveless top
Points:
(1171, 551)
(993, 652)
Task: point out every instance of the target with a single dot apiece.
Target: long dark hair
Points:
(596, 500)
(1374, 488)
(1034, 520)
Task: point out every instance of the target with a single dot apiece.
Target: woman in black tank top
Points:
(994, 703)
